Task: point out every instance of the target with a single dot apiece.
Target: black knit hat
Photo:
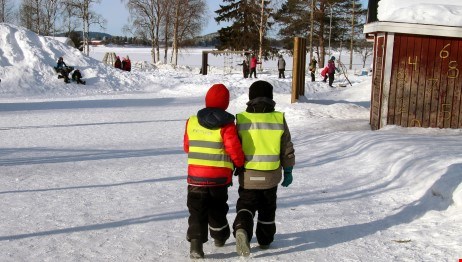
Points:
(260, 89)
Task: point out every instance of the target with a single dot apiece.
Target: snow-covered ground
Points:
(97, 172)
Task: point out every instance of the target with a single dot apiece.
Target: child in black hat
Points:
(264, 167)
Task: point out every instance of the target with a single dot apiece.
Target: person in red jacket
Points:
(214, 150)
(126, 64)
(118, 63)
(253, 66)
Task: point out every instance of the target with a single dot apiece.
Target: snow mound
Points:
(27, 62)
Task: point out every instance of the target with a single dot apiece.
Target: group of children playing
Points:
(63, 72)
(125, 64)
(327, 72)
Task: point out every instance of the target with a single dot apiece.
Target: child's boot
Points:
(242, 243)
(196, 250)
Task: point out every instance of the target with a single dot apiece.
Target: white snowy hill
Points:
(97, 172)
(27, 62)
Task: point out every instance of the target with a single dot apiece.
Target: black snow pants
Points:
(331, 79)
(254, 72)
(262, 201)
(281, 73)
(208, 208)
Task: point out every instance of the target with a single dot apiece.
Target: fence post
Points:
(204, 63)
(298, 71)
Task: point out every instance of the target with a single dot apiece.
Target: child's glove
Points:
(287, 176)
(239, 171)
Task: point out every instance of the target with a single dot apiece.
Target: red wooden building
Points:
(416, 79)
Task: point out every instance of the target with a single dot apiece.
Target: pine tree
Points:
(292, 21)
(293, 15)
(243, 33)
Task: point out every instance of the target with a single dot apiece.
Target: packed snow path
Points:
(105, 180)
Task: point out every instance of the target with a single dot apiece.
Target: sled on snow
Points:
(67, 68)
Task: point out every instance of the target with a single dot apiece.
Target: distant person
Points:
(253, 66)
(77, 77)
(331, 70)
(60, 64)
(245, 68)
(214, 150)
(63, 70)
(124, 60)
(126, 64)
(312, 67)
(281, 66)
(118, 63)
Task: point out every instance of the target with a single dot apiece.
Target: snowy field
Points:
(98, 173)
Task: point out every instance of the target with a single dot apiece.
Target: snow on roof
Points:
(446, 13)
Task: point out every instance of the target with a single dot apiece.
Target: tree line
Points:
(326, 23)
(173, 23)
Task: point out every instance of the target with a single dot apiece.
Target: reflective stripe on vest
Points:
(206, 146)
(261, 134)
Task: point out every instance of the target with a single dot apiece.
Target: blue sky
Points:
(116, 14)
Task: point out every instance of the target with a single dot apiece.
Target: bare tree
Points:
(352, 35)
(29, 12)
(145, 19)
(26, 15)
(88, 18)
(188, 22)
(364, 49)
(69, 12)
(50, 11)
(38, 15)
(6, 11)
(313, 4)
(167, 26)
(176, 26)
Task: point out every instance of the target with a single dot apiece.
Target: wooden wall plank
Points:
(458, 72)
(374, 103)
(430, 82)
(451, 79)
(415, 64)
(436, 91)
(443, 115)
(377, 79)
(393, 82)
(401, 82)
(454, 75)
(409, 69)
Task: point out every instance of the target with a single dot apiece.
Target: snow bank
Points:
(445, 13)
(27, 62)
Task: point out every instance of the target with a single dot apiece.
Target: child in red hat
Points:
(214, 150)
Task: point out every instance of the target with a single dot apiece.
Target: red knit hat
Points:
(217, 97)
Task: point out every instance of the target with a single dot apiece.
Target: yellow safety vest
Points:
(260, 135)
(206, 146)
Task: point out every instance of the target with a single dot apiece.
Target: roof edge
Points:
(415, 29)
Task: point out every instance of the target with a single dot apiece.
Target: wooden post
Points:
(204, 62)
(302, 67)
(298, 71)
